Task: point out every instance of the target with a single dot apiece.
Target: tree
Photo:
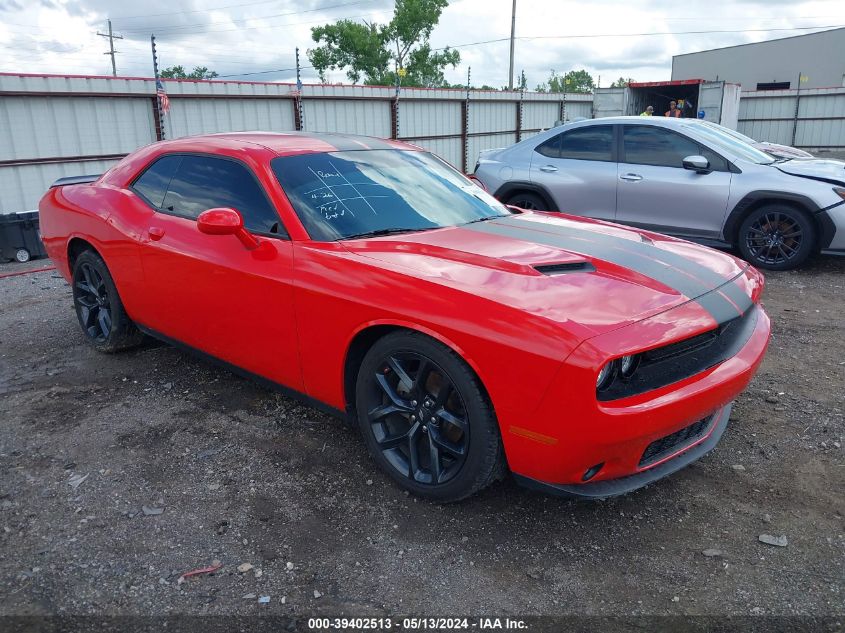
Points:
(573, 81)
(178, 72)
(376, 51)
(622, 82)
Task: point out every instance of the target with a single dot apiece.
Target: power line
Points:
(597, 35)
(266, 72)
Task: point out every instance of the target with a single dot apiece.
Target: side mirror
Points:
(698, 164)
(225, 221)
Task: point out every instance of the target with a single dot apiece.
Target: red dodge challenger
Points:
(463, 337)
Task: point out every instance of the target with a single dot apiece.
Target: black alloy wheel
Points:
(92, 303)
(776, 238)
(529, 201)
(425, 418)
(98, 306)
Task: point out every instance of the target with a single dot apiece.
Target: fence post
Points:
(394, 117)
(465, 125)
(519, 113)
(157, 119)
(795, 116)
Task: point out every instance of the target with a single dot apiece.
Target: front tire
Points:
(98, 306)
(426, 419)
(776, 237)
(22, 255)
(529, 201)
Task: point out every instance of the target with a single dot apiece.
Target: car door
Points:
(210, 292)
(655, 191)
(578, 169)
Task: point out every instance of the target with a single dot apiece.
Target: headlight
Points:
(628, 365)
(839, 192)
(606, 375)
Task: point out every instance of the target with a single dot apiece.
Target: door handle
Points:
(548, 168)
(631, 177)
(156, 233)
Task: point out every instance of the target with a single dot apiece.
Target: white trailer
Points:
(717, 100)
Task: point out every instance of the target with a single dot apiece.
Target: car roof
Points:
(287, 143)
(661, 121)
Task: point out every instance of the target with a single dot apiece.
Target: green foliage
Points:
(375, 52)
(178, 72)
(622, 82)
(573, 81)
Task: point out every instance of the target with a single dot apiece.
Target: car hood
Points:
(782, 151)
(832, 171)
(593, 274)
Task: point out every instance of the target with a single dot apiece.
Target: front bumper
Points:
(571, 433)
(624, 485)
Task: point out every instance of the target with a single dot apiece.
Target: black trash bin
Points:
(19, 237)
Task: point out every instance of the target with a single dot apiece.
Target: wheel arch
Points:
(756, 199)
(508, 189)
(75, 247)
(368, 334)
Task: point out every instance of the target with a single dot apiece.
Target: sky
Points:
(255, 40)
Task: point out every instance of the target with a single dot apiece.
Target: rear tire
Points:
(426, 419)
(776, 237)
(529, 201)
(98, 306)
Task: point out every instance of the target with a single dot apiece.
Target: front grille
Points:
(672, 363)
(669, 444)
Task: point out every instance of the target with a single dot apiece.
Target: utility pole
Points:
(513, 37)
(112, 37)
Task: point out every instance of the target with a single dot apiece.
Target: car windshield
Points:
(341, 195)
(727, 130)
(730, 143)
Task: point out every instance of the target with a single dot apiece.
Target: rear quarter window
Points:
(153, 182)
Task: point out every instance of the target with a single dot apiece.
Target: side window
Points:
(206, 182)
(550, 148)
(649, 145)
(717, 163)
(152, 184)
(594, 142)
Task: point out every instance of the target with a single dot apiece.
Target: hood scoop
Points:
(564, 268)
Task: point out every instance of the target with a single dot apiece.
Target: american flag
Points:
(163, 101)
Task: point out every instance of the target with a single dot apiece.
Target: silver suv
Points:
(681, 177)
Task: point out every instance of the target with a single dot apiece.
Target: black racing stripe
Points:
(736, 294)
(614, 251)
(721, 310)
(709, 277)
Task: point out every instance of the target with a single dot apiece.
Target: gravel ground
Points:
(122, 472)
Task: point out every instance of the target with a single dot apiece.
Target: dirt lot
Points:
(243, 475)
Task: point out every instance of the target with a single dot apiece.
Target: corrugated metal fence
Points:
(812, 119)
(55, 126)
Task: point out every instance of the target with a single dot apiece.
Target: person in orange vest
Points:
(674, 110)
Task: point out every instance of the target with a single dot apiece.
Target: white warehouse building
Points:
(819, 58)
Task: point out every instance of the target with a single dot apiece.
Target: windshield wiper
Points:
(489, 217)
(380, 232)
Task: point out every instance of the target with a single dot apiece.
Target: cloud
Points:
(243, 36)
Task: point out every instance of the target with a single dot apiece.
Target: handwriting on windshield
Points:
(331, 210)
